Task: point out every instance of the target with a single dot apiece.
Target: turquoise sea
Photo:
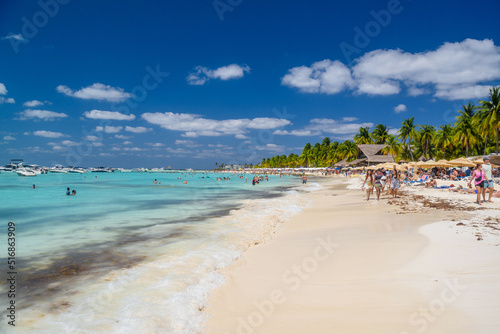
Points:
(125, 255)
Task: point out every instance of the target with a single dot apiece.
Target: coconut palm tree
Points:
(491, 112)
(380, 134)
(407, 133)
(363, 137)
(348, 150)
(425, 136)
(444, 139)
(393, 147)
(465, 132)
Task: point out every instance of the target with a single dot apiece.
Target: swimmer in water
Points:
(185, 182)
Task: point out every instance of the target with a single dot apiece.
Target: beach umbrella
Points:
(427, 164)
(462, 162)
(481, 161)
(443, 163)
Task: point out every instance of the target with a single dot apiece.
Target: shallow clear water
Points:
(127, 255)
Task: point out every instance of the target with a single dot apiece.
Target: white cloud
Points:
(97, 91)
(17, 37)
(325, 126)
(240, 136)
(138, 129)
(3, 90)
(69, 143)
(399, 108)
(95, 143)
(8, 138)
(270, 148)
(194, 125)
(393, 131)
(155, 144)
(452, 71)
(49, 134)
(326, 76)
(202, 74)
(109, 129)
(91, 138)
(114, 115)
(127, 142)
(349, 119)
(122, 137)
(45, 115)
(7, 100)
(34, 103)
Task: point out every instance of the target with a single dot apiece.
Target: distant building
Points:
(368, 154)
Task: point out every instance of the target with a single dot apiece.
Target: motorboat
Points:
(25, 172)
(58, 170)
(100, 170)
(13, 165)
(77, 170)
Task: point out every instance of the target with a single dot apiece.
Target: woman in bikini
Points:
(369, 182)
(478, 177)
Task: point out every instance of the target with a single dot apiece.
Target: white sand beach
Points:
(345, 265)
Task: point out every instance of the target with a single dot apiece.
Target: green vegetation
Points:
(475, 132)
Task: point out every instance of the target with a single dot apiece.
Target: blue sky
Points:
(191, 83)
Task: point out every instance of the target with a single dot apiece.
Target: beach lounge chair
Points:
(420, 181)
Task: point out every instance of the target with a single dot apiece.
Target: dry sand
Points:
(345, 265)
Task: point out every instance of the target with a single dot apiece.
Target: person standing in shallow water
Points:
(68, 192)
(304, 178)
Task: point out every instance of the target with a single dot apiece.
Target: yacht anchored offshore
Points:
(25, 172)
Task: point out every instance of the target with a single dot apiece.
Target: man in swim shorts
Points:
(488, 179)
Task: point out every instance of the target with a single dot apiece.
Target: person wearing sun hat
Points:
(488, 180)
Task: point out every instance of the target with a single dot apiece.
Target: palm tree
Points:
(464, 129)
(348, 150)
(363, 137)
(491, 112)
(426, 135)
(444, 139)
(393, 147)
(380, 134)
(407, 132)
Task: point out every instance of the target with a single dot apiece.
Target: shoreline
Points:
(353, 266)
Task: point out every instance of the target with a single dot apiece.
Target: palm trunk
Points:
(485, 143)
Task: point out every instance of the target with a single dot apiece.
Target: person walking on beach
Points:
(478, 177)
(395, 182)
(377, 181)
(488, 180)
(369, 182)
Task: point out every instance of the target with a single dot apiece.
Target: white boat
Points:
(77, 170)
(100, 170)
(13, 165)
(58, 170)
(25, 172)
(124, 170)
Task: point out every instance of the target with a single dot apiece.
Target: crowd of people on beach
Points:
(482, 175)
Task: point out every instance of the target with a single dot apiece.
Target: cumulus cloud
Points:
(8, 138)
(45, 115)
(155, 144)
(97, 91)
(49, 134)
(17, 37)
(114, 115)
(326, 76)
(399, 108)
(122, 137)
(271, 148)
(137, 129)
(35, 103)
(7, 100)
(325, 126)
(452, 71)
(201, 74)
(3, 89)
(109, 129)
(91, 138)
(195, 125)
